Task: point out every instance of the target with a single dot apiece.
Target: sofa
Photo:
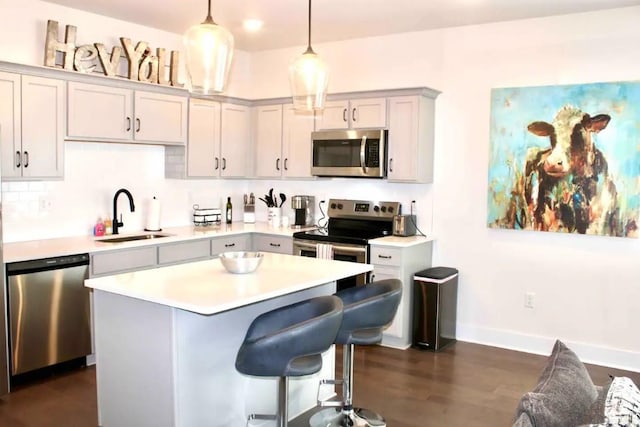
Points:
(565, 396)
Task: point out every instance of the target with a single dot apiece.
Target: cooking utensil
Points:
(283, 199)
(265, 201)
(252, 199)
(273, 201)
(246, 199)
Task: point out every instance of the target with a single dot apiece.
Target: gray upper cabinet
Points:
(282, 141)
(235, 139)
(35, 150)
(219, 140)
(411, 139)
(269, 162)
(354, 114)
(105, 113)
(203, 148)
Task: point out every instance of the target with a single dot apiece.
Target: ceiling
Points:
(285, 21)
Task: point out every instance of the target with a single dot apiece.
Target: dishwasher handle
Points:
(44, 264)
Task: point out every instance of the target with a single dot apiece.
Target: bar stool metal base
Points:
(336, 417)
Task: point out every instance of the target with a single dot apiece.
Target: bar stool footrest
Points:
(260, 417)
(328, 403)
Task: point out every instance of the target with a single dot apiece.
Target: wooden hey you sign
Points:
(141, 64)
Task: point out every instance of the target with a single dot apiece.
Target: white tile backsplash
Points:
(95, 171)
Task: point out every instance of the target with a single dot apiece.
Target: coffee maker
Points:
(303, 211)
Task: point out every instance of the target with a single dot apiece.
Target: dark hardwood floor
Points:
(463, 385)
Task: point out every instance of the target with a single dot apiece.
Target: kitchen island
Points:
(166, 340)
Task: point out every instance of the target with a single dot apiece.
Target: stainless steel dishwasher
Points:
(48, 312)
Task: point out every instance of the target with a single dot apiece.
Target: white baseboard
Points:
(588, 353)
(91, 359)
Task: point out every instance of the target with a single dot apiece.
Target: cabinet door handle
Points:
(275, 245)
(224, 164)
(353, 114)
(372, 278)
(18, 159)
(344, 115)
(229, 245)
(278, 164)
(285, 164)
(217, 164)
(137, 124)
(384, 256)
(390, 165)
(128, 124)
(26, 159)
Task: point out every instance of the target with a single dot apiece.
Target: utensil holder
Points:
(273, 216)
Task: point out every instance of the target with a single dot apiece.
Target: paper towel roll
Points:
(153, 216)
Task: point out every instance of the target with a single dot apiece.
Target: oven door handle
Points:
(305, 245)
(348, 249)
(344, 249)
(363, 146)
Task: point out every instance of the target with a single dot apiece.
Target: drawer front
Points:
(229, 244)
(382, 255)
(184, 251)
(126, 260)
(277, 244)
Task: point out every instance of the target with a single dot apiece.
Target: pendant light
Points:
(209, 52)
(309, 77)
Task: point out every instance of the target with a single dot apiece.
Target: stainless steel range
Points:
(351, 224)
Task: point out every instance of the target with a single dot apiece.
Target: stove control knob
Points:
(383, 209)
(390, 209)
(376, 208)
(333, 205)
(340, 206)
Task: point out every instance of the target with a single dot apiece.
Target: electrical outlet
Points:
(45, 204)
(529, 299)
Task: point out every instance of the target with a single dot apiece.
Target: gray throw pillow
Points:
(564, 393)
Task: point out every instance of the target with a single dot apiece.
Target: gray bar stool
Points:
(367, 311)
(288, 342)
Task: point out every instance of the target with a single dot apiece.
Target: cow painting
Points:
(567, 186)
(565, 159)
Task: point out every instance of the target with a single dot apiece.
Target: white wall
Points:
(586, 287)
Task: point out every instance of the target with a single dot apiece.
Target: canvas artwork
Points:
(566, 159)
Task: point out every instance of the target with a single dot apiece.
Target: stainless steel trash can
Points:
(434, 307)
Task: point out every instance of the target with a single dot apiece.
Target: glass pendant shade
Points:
(209, 53)
(309, 78)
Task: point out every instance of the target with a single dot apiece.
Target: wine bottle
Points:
(229, 210)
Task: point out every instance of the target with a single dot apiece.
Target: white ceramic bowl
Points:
(241, 262)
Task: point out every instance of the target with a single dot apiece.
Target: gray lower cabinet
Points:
(119, 261)
(241, 242)
(192, 250)
(112, 262)
(400, 263)
(271, 243)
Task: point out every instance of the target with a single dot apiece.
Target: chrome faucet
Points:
(118, 223)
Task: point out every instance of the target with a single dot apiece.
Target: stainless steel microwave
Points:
(349, 153)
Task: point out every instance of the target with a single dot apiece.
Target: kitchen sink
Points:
(132, 237)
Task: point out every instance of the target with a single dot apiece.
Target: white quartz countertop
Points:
(401, 242)
(205, 287)
(46, 248)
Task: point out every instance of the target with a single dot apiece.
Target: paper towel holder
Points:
(157, 207)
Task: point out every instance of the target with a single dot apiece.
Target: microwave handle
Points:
(363, 146)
